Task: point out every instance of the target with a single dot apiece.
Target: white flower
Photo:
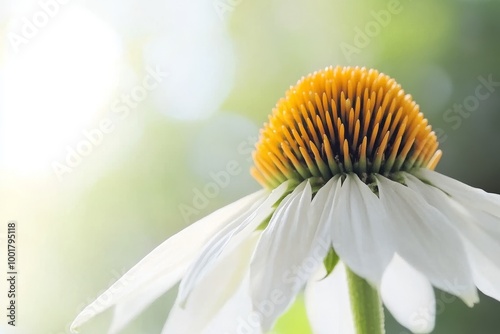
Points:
(350, 160)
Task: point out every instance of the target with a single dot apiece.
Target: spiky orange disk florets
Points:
(343, 120)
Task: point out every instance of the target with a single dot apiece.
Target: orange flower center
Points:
(343, 120)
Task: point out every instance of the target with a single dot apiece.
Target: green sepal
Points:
(330, 261)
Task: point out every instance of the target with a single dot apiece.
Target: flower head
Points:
(343, 120)
(350, 196)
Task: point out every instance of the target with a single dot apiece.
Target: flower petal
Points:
(286, 256)
(467, 195)
(483, 247)
(328, 303)
(426, 240)
(237, 315)
(479, 229)
(409, 296)
(322, 208)
(358, 232)
(163, 267)
(238, 229)
(486, 272)
(217, 286)
(138, 300)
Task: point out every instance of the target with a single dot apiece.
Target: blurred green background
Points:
(98, 169)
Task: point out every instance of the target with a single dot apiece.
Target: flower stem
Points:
(366, 305)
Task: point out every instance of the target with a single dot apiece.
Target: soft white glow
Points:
(54, 86)
(195, 48)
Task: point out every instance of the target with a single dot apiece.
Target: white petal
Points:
(479, 229)
(409, 296)
(322, 208)
(163, 267)
(482, 233)
(286, 256)
(359, 230)
(235, 232)
(470, 196)
(237, 315)
(486, 272)
(123, 313)
(328, 303)
(213, 291)
(426, 240)
(320, 215)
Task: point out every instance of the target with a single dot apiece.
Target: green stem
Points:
(366, 305)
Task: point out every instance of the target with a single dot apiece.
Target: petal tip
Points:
(74, 327)
(422, 321)
(470, 299)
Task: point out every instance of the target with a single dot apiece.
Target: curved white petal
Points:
(237, 315)
(320, 217)
(483, 248)
(359, 229)
(286, 256)
(486, 272)
(426, 240)
(479, 229)
(163, 267)
(467, 195)
(321, 210)
(213, 291)
(234, 233)
(409, 296)
(328, 303)
(137, 301)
